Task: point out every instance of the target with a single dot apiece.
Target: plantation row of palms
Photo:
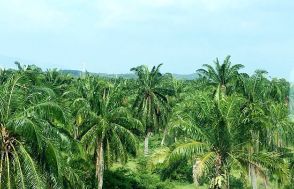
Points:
(225, 129)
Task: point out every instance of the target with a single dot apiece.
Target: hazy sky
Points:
(114, 35)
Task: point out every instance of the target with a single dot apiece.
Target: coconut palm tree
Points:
(151, 101)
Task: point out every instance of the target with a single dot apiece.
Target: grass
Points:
(184, 186)
(181, 185)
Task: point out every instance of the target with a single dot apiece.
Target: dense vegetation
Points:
(225, 129)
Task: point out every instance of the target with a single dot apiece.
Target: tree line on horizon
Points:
(224, 129)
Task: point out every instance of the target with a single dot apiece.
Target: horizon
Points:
(12, 65)
(113, 36)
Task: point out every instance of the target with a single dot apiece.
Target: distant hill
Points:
(78, 73)
(128, 76)
(8, 62)
(185, 76)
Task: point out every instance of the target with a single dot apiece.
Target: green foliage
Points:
(223, 129)
(127, 179)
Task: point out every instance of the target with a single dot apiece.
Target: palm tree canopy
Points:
(223, 76)
(151, 102)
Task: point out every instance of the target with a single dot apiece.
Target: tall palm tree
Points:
(211, 136)
(279, 90)
(222, 76)
(106, 128)
(265, 116)
(151, 101)
(29, 137)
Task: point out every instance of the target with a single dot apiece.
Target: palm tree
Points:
(279, 90)
(59, 131)
(105, 127)
(151, 102)
(211, 136)
(223, 76)
(57, 81)
(4, 75)
(29, 137)
(265, 116)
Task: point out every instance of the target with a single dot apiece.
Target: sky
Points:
(112, 36)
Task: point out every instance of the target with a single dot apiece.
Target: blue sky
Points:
(114, 35)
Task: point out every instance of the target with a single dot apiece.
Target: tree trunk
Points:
(253, 176)
(228, 181)
(1, 168)
(100, 165)
(218, 172)
(163, 138)
(195, 172)
(265, 184)
(252, 172)
(146, 144)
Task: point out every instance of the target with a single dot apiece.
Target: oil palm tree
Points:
(223, 76)
(210, 135)
(265, 116)
(29, 138)
(105, 127)
(151, 102)
(58, 81)
(279, 90)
